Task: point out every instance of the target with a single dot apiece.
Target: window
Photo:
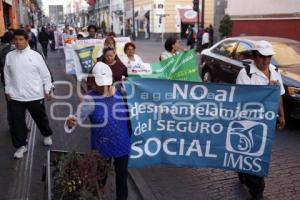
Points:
(287, 54)
(243, 51)
(226, 48)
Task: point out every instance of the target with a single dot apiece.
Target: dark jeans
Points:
(18, 122)
(8, 115)
(256, 184)
(121, 170)
(45, 48)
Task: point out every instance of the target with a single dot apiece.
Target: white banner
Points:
(81, 55)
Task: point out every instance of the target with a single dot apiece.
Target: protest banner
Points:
(180, 67)
(81, 55)
(190, 124)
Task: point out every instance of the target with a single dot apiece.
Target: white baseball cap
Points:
(103, 74)
(264, 48)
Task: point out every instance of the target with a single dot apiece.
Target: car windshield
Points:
(287, 54)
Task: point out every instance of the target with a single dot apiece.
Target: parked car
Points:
(223, 61)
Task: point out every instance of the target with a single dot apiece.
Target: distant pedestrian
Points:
(27, 84)
(32, 40)
(92, 30)
(44, 41)
(110, 133)
(205, 39)
(261, 72)
(199, 39)
(211, 35)
(5, 47)
(191, 37)
(52, 39)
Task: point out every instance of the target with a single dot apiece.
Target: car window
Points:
(243, 51)
(226, 48)
(286, 54)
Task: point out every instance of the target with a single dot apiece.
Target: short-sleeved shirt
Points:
(119, 70)
(259, 78)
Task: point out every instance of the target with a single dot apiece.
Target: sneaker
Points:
(48, 141)
(20, 152)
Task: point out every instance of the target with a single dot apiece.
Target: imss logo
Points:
(246, 137)
(246, 140)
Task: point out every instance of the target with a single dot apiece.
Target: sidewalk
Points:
(22, 179)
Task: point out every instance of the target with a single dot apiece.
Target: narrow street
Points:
(22, 179)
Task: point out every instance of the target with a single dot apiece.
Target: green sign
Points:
(180, 67)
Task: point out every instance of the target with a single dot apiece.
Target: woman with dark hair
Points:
(118, 69)
(172, 46)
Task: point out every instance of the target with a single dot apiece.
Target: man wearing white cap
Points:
(261, 72)
(108, 115)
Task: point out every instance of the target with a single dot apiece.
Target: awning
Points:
(189, 16)
(8, 2)
(142, 14)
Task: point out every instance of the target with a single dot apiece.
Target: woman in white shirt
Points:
(205, 39)
(130, 58)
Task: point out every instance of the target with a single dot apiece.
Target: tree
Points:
(225, 26)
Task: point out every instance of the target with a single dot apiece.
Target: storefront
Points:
(8, 15)
(188, 17)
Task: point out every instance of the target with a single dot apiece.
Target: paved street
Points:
(21, 179)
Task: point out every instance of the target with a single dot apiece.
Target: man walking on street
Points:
(44, 41)
(27, 83)
(261, 72)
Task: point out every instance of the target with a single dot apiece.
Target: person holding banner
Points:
(119, 70)
(109, 127)
(172, 46)
(261, 72)
(130, 58)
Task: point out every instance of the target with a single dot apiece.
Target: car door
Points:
(222, 65)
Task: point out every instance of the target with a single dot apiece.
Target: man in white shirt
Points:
(261, 72)
(28, 82)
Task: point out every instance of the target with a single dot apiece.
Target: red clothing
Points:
(118, 70)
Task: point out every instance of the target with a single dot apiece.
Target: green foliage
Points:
(78, 176)
(225, 26)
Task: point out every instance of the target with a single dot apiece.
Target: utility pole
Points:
(133, 22)
(202, 13)
(196, 8)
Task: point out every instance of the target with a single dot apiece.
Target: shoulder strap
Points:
(247, 68)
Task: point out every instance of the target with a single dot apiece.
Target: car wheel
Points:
(207, 76)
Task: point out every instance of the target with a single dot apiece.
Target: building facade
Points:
(171, 17)
(282, 19)
(9, 15)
